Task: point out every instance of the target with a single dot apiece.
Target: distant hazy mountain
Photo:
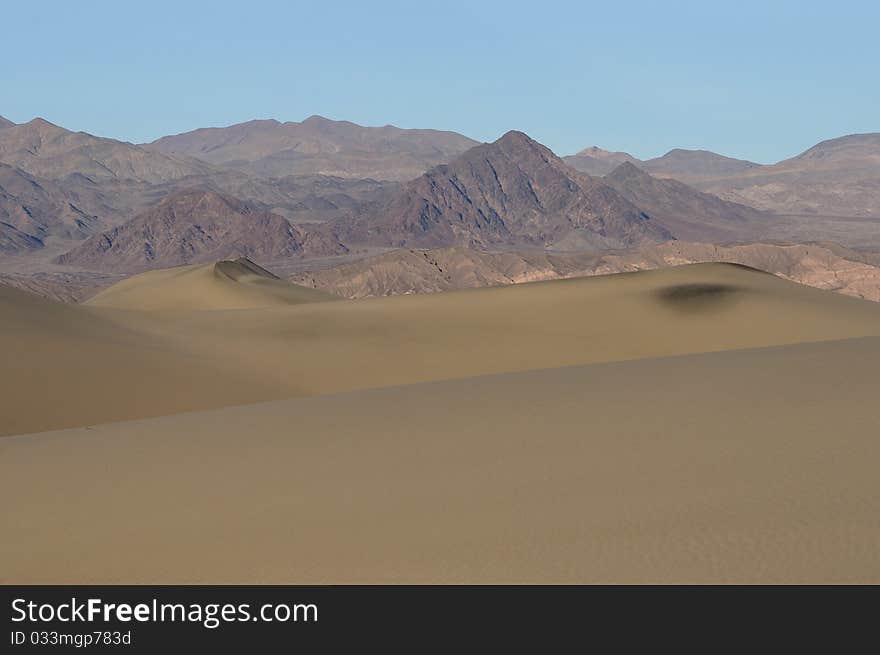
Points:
(695, 164)
(318, 145)
(301, 198)
(511, 192)
(686, 212)
(5, 122)
(595, 161)
(58, 183)
(839, 177)
(49, 151)
(195, 226)
(858, 151)
(678, 163)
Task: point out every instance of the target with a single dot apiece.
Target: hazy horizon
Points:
(429, 127)
(753, 81)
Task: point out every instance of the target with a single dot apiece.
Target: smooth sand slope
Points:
(741, 466)
(237, 284)
(708, 423)
(67, 365)
(71, 366)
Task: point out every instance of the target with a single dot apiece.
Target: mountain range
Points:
(49, 151)
(318, 146)
(686, 212)
(693, 164)
(71, 202)
(837, 177)
(62, 186)
(195, 226)
(512, 192)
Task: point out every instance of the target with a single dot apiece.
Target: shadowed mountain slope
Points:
(195, 226)
(512, 192)
(41, 208)
(688, 213)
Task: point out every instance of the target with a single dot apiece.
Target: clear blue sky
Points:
(757, 80)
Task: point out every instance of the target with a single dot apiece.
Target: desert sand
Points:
(707, 423)
(238, 284)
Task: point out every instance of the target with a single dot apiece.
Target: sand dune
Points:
(66, 365)
(707, 423)
(72, 366)
(740, 466)
(237, 284)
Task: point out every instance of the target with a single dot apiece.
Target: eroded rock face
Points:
(513, 192)
(195, 226)
(41, 208)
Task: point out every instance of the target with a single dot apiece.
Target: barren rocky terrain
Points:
(77, 211)
(513, 191)
(406, 271)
